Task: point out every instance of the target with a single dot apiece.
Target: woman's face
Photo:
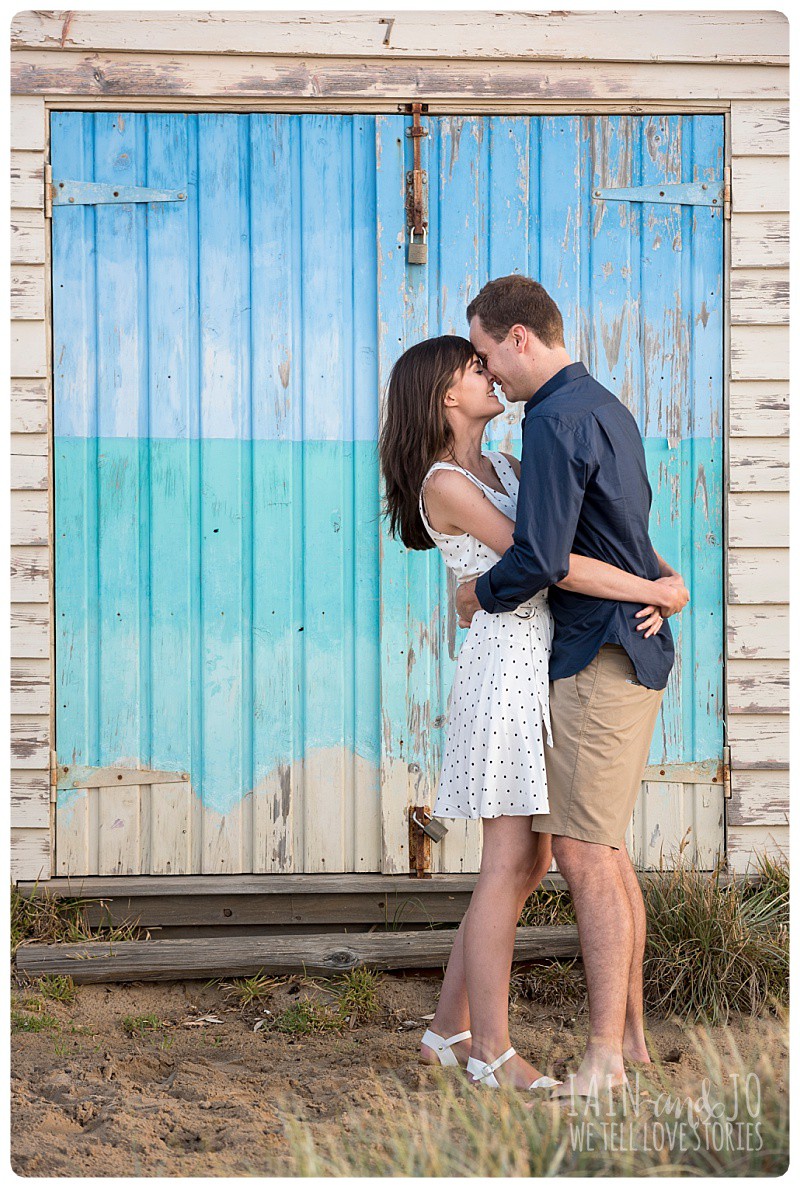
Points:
(472, 393)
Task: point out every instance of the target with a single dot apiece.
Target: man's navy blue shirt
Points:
(584, 489)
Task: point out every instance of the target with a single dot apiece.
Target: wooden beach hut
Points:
(226, 679)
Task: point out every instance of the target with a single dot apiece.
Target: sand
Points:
(199, 1097)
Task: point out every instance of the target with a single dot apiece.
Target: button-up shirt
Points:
(583, 489)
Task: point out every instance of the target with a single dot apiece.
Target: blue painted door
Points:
(229, 612)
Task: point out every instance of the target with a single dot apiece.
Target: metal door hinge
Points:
(48, 191)
(53, 777)
(80, 193)
(81, 776)
(726, 773)
(727, 193)
(681, 193)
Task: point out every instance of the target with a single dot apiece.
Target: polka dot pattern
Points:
(498, 711)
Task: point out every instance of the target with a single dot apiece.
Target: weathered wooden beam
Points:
(171, 960)
(56, 73)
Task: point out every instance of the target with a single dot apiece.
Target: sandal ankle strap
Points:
(488, 1069)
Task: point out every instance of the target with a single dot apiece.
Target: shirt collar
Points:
(566, 375)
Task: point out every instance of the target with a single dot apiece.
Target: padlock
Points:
(418, 252)
(434, 829)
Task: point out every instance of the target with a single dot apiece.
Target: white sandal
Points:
(442, 1046)
(484, 1073)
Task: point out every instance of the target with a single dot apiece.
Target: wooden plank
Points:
(103, 74)
(30, 574)
(27, 180)
(759, 464)
(30, 630)
(30, 686)
(30, 800)
(759, 742)
(760, 183)
(29, 462)
(231, 956)
(758, 632)
(758, 686)
(759, 296)
(758, 576)
(759, 352)
(30, 853)
(759, 129)
(27, 237)
(759, 240)
(27, 292)
(759, 798)
(28, 123)
(30, 741)
(28, 349)
(29, 517)
(758, 519)
(759, 409)
(746, 842)
(29, 399)
(661, 36)
(288, 911)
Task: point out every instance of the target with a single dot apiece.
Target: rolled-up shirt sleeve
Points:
(557, 465)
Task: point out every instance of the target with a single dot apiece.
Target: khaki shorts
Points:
(603, 722)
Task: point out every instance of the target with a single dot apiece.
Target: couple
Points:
(561, 676)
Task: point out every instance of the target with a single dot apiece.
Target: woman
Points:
(443, 491)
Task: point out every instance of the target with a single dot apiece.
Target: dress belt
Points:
(541, 664)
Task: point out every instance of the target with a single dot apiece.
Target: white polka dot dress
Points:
(498, 712)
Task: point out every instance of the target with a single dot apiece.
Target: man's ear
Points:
(519, 337)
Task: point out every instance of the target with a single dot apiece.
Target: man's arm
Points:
(556, 466)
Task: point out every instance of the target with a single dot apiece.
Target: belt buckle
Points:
(523, 611)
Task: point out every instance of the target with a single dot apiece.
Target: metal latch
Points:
(417, 192)
(422, 830)
(434, 829)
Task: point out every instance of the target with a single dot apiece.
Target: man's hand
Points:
(675, 595)
(466, 603)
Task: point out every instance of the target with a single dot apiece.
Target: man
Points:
(583, 489)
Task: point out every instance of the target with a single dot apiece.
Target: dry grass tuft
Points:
(730, 1119)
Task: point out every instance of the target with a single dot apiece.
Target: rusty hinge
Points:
(726, 773)
(726, 193)
(48, 191)
(53, 777)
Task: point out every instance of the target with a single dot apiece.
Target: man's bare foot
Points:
(515, 1073)
(634, 1047)
(601, 1070)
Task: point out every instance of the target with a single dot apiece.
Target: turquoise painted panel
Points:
(226, 603)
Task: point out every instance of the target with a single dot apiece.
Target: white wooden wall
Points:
(592, 61)
(758, 501)
(30, 489)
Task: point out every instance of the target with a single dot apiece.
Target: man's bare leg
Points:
(606, 934)
(634, 1044)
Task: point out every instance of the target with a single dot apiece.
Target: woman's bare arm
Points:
(455, 505)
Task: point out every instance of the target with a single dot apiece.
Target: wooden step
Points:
(237, 956)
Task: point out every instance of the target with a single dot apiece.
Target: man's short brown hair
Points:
(517, 300)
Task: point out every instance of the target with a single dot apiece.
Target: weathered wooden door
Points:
(264, 672)
(637, 274)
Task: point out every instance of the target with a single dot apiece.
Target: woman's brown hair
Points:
(415, 430)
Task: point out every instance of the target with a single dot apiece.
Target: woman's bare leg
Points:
(499, 897)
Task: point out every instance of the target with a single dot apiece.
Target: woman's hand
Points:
(651, 620)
